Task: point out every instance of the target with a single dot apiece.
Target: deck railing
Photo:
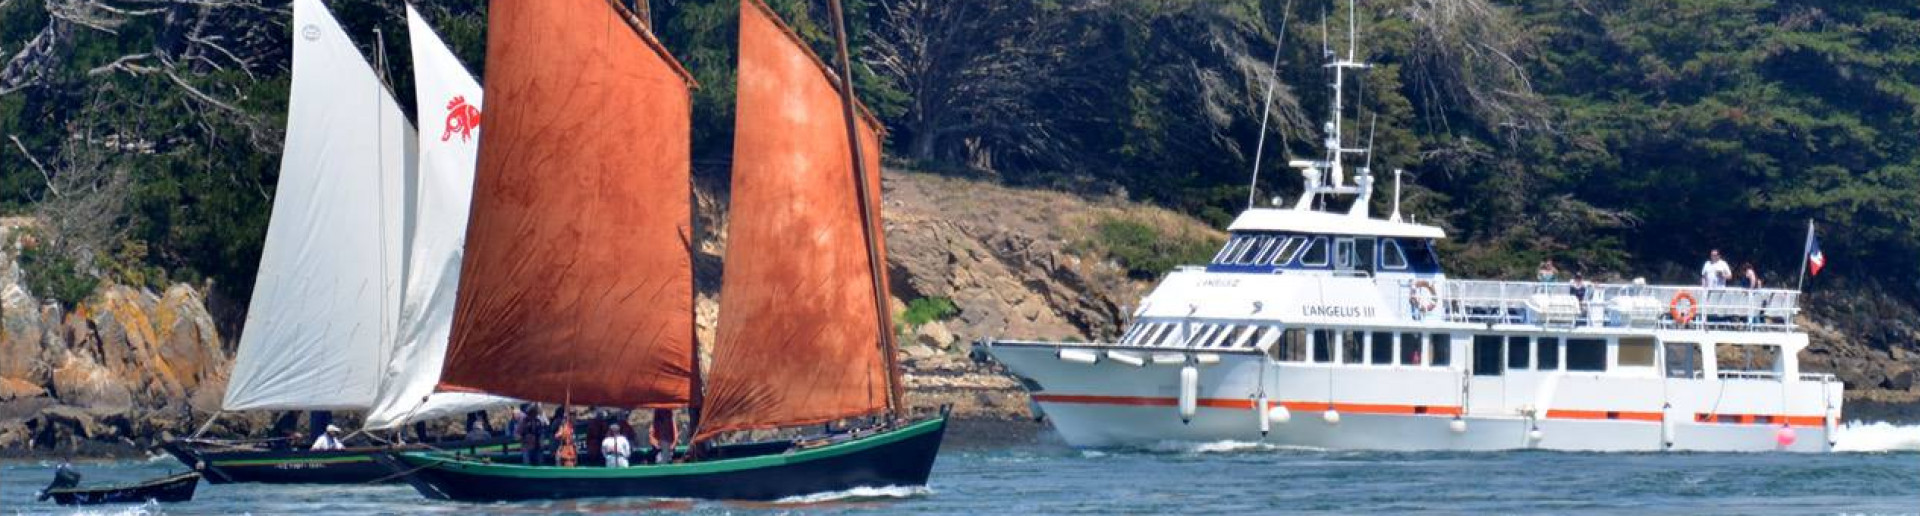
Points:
(1615, 305)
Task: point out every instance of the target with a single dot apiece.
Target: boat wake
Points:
(1877, 437)
(146, 509)
(1198, 448)
(857, 494)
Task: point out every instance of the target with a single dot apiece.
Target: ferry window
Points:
(1683, 360)
(1267, 249)
(1283, 253)
(1746, 357)
(1636, 351)
(1322, 346)
(1167, 334)
(1381, 349)
(1252, 249)
(1546, 350)
(1292, 346)
(1343, 253)
(1201, 334)
(1316, 253)
(1353, 347)
(1486, 355)
(1391, 257)
(1133, 333)
(1586, 355)
(1410, 349)
(1441, 346)
(1517, 353)
(1225, 336)
(1363, 254)
(1244, 336)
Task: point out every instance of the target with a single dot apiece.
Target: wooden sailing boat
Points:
(350, 300)
(580, 255)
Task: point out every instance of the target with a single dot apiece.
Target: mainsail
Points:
(448, 99)
(577, 283)
(798, 337)
(324, 302)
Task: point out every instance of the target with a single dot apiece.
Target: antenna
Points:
(1372, 124)
(1266, 111)
(1353, 36)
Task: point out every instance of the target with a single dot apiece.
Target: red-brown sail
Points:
(798, 333)
(577, 280)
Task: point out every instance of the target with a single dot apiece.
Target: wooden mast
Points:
(869, 225)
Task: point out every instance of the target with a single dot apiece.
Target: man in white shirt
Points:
(616, 448)
(1716, 272)
(329, 440)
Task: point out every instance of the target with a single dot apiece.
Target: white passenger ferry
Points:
(1333, 329)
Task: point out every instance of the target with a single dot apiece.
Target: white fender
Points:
(1260, 408)
(1458, 425)
(1127, 358)
(1078, 356)
(1279, 414)
(1207, 358)
(1331, 416)
(1189, 392)
(1667, 424)
(1169, 359)
(1535, 435)
(1833, 425)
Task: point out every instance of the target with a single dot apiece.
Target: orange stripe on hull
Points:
(1388, 409)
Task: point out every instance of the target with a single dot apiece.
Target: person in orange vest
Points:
(563, 441)
(661, 435)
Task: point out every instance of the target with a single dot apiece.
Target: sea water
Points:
(1879, 474)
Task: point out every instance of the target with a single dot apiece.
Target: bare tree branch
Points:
(36, 164)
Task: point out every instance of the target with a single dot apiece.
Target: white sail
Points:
(319, 328)
(448, 105)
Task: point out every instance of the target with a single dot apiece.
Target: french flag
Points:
(1815, 259)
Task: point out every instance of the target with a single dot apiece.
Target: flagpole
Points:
(1806, 247)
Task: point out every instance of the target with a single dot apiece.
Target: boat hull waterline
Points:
(176, 488)
(901, 457)
(348, 466)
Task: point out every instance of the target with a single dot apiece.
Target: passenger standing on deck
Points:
(1547, 271)
(662, 436)
(1749, 277)
(328, 441)
(615, 447)
(1715, 273)
(563, 452)
(530, 430)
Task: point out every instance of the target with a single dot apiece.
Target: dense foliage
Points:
(1624, 138)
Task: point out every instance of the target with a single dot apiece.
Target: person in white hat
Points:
(329, 440)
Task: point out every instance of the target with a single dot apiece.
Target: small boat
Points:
(354, 298)
(579, 267)
(66, 489)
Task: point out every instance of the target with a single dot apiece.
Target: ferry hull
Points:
(1115, 405)
(896, 458)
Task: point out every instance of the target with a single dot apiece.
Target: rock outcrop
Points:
(122, 367)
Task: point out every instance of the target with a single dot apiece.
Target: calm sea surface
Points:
(1044, 477)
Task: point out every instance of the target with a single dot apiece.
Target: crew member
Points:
(329, 440)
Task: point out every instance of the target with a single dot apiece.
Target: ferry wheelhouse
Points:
(1333, 329)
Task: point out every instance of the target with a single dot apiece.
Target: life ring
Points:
(1431, 300)
(1683, 316)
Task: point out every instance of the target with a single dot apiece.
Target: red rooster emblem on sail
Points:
(462, 118)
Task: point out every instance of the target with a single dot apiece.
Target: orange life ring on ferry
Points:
(1682, 317)
(1432, 299)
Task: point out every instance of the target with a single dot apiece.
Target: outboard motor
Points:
(63, 477)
